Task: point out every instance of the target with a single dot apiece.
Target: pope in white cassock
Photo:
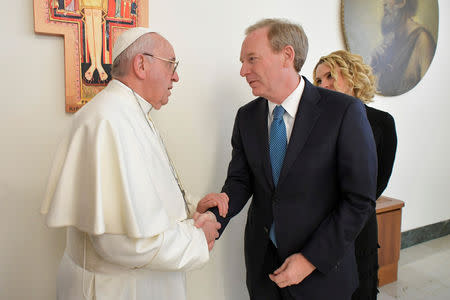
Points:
(115, 189)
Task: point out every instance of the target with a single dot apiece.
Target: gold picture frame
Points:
(397, 39)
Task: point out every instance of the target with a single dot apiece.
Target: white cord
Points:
(84, 264)
(171, 165)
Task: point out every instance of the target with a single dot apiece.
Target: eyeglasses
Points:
(173, 62)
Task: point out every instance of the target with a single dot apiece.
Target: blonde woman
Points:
(345, 72)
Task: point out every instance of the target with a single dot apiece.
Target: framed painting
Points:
(89, 28)
(396, 37)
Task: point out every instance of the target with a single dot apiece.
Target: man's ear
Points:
(289, 55)
(139, 66)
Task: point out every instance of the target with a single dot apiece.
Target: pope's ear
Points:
(139, 67)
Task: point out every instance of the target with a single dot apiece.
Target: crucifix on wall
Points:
(90, 28)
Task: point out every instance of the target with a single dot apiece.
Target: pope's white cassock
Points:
(112, 186)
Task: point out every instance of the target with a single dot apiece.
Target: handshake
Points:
(206, 220)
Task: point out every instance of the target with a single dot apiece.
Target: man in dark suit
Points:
(308, 158)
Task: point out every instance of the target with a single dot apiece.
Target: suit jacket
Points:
(383, 128)
(325, 192)
(366, 244)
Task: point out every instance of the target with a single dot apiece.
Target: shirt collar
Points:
(146, 106)
(290, 104)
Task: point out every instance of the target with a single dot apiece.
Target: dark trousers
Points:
(366, 252)
(265, 288)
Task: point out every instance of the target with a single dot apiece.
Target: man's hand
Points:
(208, 223)
(214, 199)
(294, 269)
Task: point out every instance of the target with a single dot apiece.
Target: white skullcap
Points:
(126, 39)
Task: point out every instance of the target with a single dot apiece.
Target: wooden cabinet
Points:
(389, 218)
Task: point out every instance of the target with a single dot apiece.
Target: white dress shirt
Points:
(290, 105)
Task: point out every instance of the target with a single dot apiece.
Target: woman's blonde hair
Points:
(354, 71)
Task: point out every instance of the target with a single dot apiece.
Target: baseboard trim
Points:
(425, 233)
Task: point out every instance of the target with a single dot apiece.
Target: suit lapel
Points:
(307, 114)
(263, 139)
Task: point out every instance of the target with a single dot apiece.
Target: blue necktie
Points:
(278, 144)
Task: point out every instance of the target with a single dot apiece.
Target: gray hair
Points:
(122, 63)
(283, 33)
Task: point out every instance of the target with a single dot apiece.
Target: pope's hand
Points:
(294, 269)
(214, 199)
(208, 223)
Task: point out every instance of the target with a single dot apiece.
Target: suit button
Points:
(266, 229)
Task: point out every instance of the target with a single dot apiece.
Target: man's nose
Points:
(175, 77)
(244, 70)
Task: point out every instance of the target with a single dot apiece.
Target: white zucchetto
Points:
(126, 39)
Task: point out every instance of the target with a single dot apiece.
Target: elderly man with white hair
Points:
(114, 188)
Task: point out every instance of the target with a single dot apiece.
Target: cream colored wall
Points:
(197, 125)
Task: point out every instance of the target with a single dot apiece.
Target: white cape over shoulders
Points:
(110, 173)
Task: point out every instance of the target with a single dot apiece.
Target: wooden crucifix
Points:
(90, 28)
